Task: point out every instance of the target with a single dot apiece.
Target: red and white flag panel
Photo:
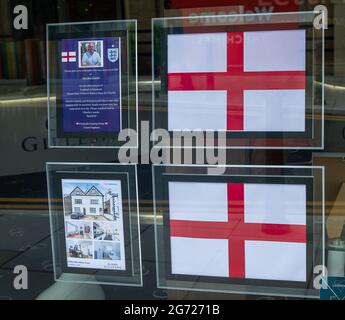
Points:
(68, 56)
(238, 230)
(237, 81)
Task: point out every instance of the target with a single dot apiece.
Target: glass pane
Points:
(95, 223)
(92, 91)
(258, 79)
(248, 229)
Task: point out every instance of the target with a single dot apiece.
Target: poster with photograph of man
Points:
(91, 54)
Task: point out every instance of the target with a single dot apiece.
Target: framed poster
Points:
(93, 80)
(94, 226)
(91, 87)
(251, 230)
(249, 78)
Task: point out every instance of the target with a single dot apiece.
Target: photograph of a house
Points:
(97, 201)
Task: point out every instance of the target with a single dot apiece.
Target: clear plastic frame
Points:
(92, 83)
(94, 222)
(242, 229)
(255, 80)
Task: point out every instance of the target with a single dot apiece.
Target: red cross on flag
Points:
(238, 230)
(68, 56)
(237, 81)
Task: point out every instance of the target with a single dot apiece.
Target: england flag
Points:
(238, 230)
(237, 81)
(70, 56)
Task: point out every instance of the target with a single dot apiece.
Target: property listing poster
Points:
(93, 219)
(91, 85)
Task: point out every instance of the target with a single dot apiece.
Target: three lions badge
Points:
(113, 54)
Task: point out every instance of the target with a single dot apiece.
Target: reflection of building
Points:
(112, 205)
(85, 203)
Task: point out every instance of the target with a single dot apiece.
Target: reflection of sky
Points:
(102, 185)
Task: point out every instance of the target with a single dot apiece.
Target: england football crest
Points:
(113, 54)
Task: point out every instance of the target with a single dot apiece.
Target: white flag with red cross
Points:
(68, 56)
(238, 230)
(237, 81)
